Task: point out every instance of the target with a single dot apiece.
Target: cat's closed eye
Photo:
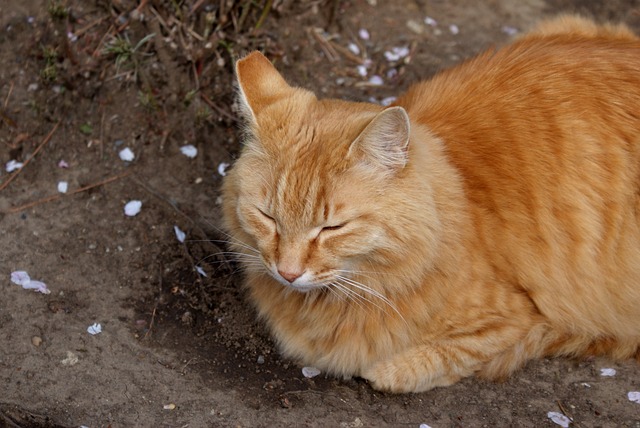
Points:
(332, 228)
(266, 216)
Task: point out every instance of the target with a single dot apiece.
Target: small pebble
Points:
(170, 406)
(260, 359)
(36, 341)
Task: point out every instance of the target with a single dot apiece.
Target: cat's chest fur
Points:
(488, 217)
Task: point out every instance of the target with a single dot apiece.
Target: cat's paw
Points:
(385, 376)
(397, 376)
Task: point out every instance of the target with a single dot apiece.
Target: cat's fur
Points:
(490, 216)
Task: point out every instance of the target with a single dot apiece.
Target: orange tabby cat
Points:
(490, 216)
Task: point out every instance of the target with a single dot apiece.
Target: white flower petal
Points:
(94, 329)
(559, 419)
(510, 31)
(362, 70)
(354, 49)
(634, 396)
(37, 286)
(387, 101)
(453, 28)
(201, 271)
(430, 21)
(126, 154)
(425, 426)
(63, 164)
(364, 34)
(20, 277)
(189, 151)
(63, 186)
(179, 233)
(607, 372)
(132, 208)
(12, 165)
(376, 80)
(222, 168)
(310, 372)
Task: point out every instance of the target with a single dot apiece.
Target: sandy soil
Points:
(179, 349)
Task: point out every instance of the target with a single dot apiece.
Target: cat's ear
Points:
(384, 141)
(260, 83)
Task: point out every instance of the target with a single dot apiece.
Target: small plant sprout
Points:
(124, 51)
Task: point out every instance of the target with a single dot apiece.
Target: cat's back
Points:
(545, 136)
(565, 63)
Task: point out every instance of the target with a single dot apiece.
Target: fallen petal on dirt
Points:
(63, 164)
(38, 286)
(201, 271)
(179, 233)
(63, 186)
(364, 34)
(376, 80)
(388, 100)
(430, 21)
(126, 154)
(22, 278)
(559, 419)
(189, 151)
(12, 165)
(510, 31)
(169, 406)
(94, 329)
(607, 372)
(634, 396)
(396, 53)
(310, 372)
(132, 208)
(222, 168)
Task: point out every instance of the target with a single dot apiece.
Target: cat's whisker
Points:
(233, 254)
(348, 295)
(353, 295)
(371, 292)
(232, 240)
(374, 274)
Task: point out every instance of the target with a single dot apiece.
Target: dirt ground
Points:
(79, 82)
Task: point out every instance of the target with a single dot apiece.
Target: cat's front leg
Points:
(421, 368)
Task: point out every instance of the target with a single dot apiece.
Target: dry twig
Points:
(60, 195)
(44, 141)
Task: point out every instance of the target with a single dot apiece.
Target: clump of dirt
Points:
(83, 80)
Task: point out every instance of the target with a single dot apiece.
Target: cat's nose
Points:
(290, 276)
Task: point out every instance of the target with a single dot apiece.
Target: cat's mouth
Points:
(303, 284)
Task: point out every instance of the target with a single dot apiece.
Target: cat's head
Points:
(310, 191)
